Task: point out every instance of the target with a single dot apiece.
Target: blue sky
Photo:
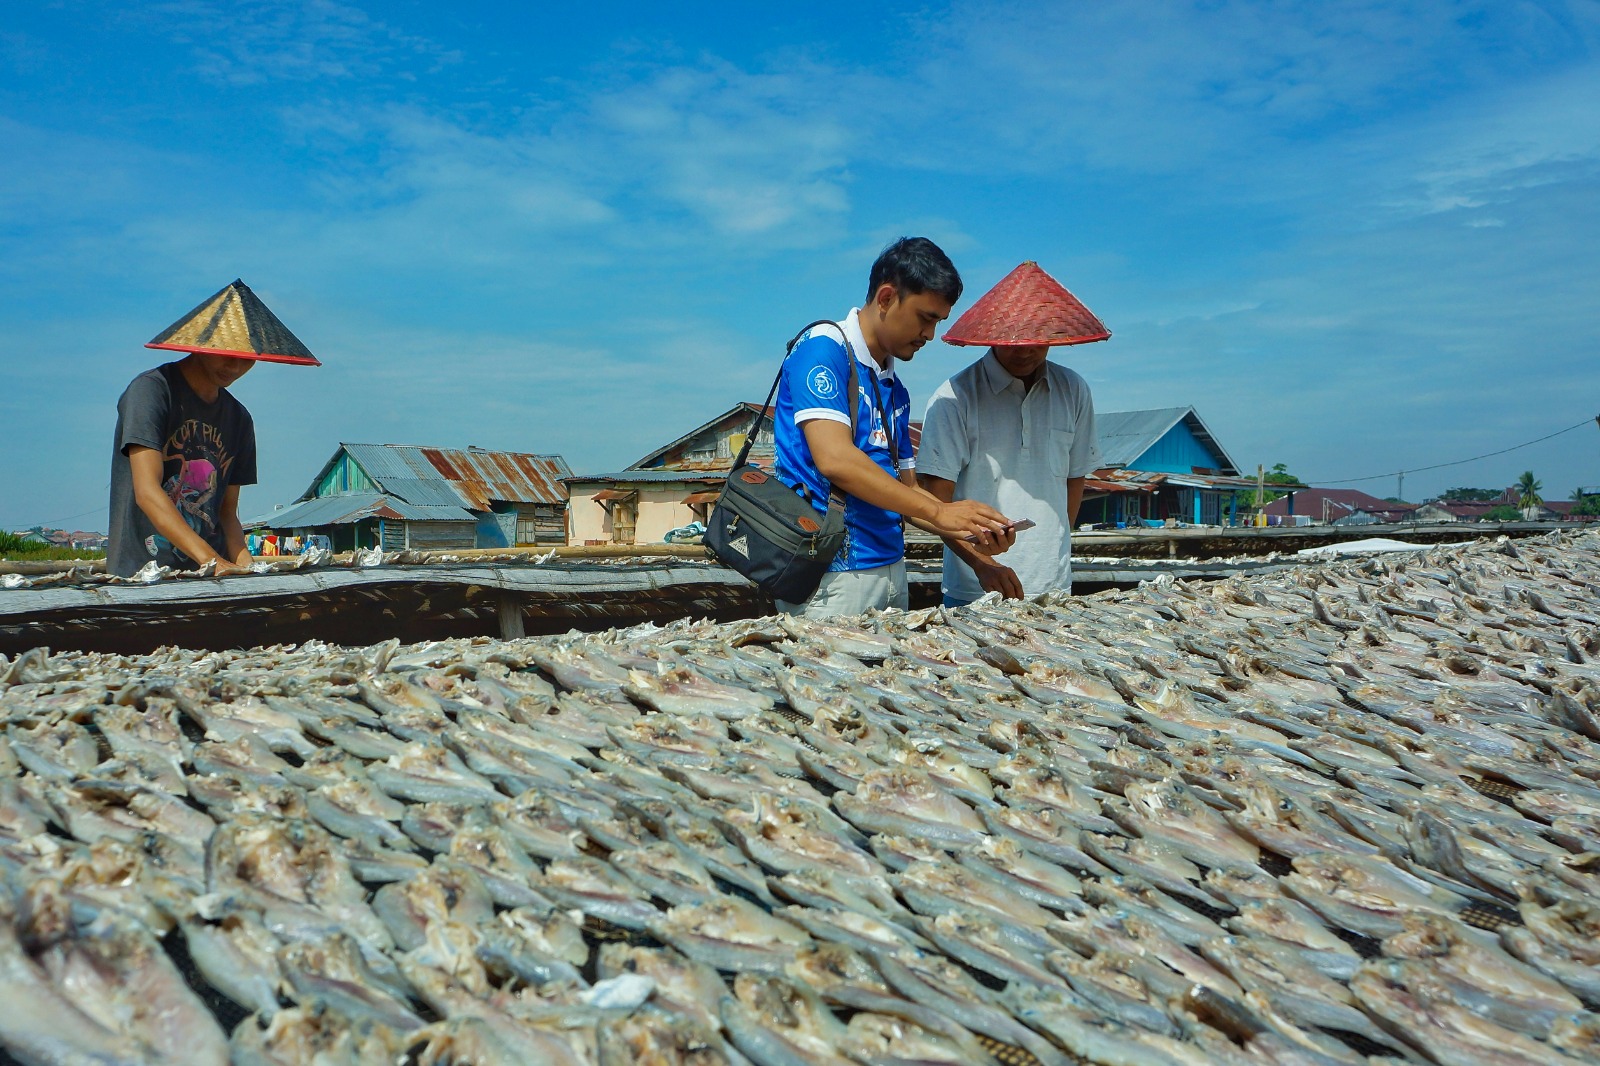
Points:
(1356, 237)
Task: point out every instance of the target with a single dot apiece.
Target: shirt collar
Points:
(852, 330)
(995, 374)
(1000, 378)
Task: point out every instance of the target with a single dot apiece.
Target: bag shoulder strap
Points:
(761, 415)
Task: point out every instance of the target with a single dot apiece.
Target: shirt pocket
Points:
(1061, 451)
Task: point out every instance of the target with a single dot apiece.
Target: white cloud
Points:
(1185, 88)
(247, 44)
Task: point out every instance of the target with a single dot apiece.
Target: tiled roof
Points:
(1340, 502)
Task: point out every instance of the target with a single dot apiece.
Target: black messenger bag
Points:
(768, 531)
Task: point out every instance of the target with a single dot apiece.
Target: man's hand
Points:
(996, 577)
(240, 565)
(998, 545)
(961, 519)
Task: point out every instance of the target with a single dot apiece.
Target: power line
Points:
(54, 522)
(1458, 462)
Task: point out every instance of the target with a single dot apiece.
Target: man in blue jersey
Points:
(911, 289)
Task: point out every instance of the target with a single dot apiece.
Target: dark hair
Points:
(913, 265)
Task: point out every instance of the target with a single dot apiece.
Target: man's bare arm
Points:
(1074, 501)
(993, 576)
(849, 469)
(163, 513)
(232, 530)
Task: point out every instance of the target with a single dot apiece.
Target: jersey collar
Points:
(852, 330)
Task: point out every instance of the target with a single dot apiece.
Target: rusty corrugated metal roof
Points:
(515, 477)
(1114, 479)
(469, 478)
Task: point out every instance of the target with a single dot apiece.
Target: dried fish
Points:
(1174, 824)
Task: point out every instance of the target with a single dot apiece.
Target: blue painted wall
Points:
(345, 477)
(496, 530)
(1177, 452)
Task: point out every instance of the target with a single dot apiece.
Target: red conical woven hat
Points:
(235, 322)
(1028, 306)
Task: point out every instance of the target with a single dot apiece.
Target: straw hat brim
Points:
(264, 357)
(1029, 342)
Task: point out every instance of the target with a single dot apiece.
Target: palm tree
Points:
(1528, 488)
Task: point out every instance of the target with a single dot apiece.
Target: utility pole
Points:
(1261, 491)
(1400, 489)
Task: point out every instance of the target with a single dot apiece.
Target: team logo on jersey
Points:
(823, 385)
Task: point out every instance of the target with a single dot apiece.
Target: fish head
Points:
(1424, 936)
(831, 964)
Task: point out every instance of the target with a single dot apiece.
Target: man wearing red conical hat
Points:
(184, 445)
(1014, 430)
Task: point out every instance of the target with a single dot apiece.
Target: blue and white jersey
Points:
(815, 378)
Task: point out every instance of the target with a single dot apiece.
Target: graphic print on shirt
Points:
(195, 462)
(822, 383)
(879, 437)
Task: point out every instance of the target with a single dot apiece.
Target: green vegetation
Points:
(1504, 513)
(14, 549)
(1278, 475)
(1466, 495)
(1586, 503)
(1527, 490)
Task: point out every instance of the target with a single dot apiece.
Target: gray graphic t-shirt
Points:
(205, 448)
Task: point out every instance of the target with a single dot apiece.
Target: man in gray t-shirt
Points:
(184, 445)
(183, 448)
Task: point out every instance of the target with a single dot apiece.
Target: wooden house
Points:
(1160, 464)
(401, 496)
(671, 487)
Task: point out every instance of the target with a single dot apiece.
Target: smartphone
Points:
(1015, 527)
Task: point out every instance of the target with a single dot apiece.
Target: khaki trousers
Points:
(845, 592)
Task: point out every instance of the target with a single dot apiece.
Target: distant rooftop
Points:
(468, 478)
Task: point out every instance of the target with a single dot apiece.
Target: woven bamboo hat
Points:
(235, 322)
(1028, 306)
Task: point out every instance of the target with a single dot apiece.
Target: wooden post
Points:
(1261, 494)
(510, 611)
